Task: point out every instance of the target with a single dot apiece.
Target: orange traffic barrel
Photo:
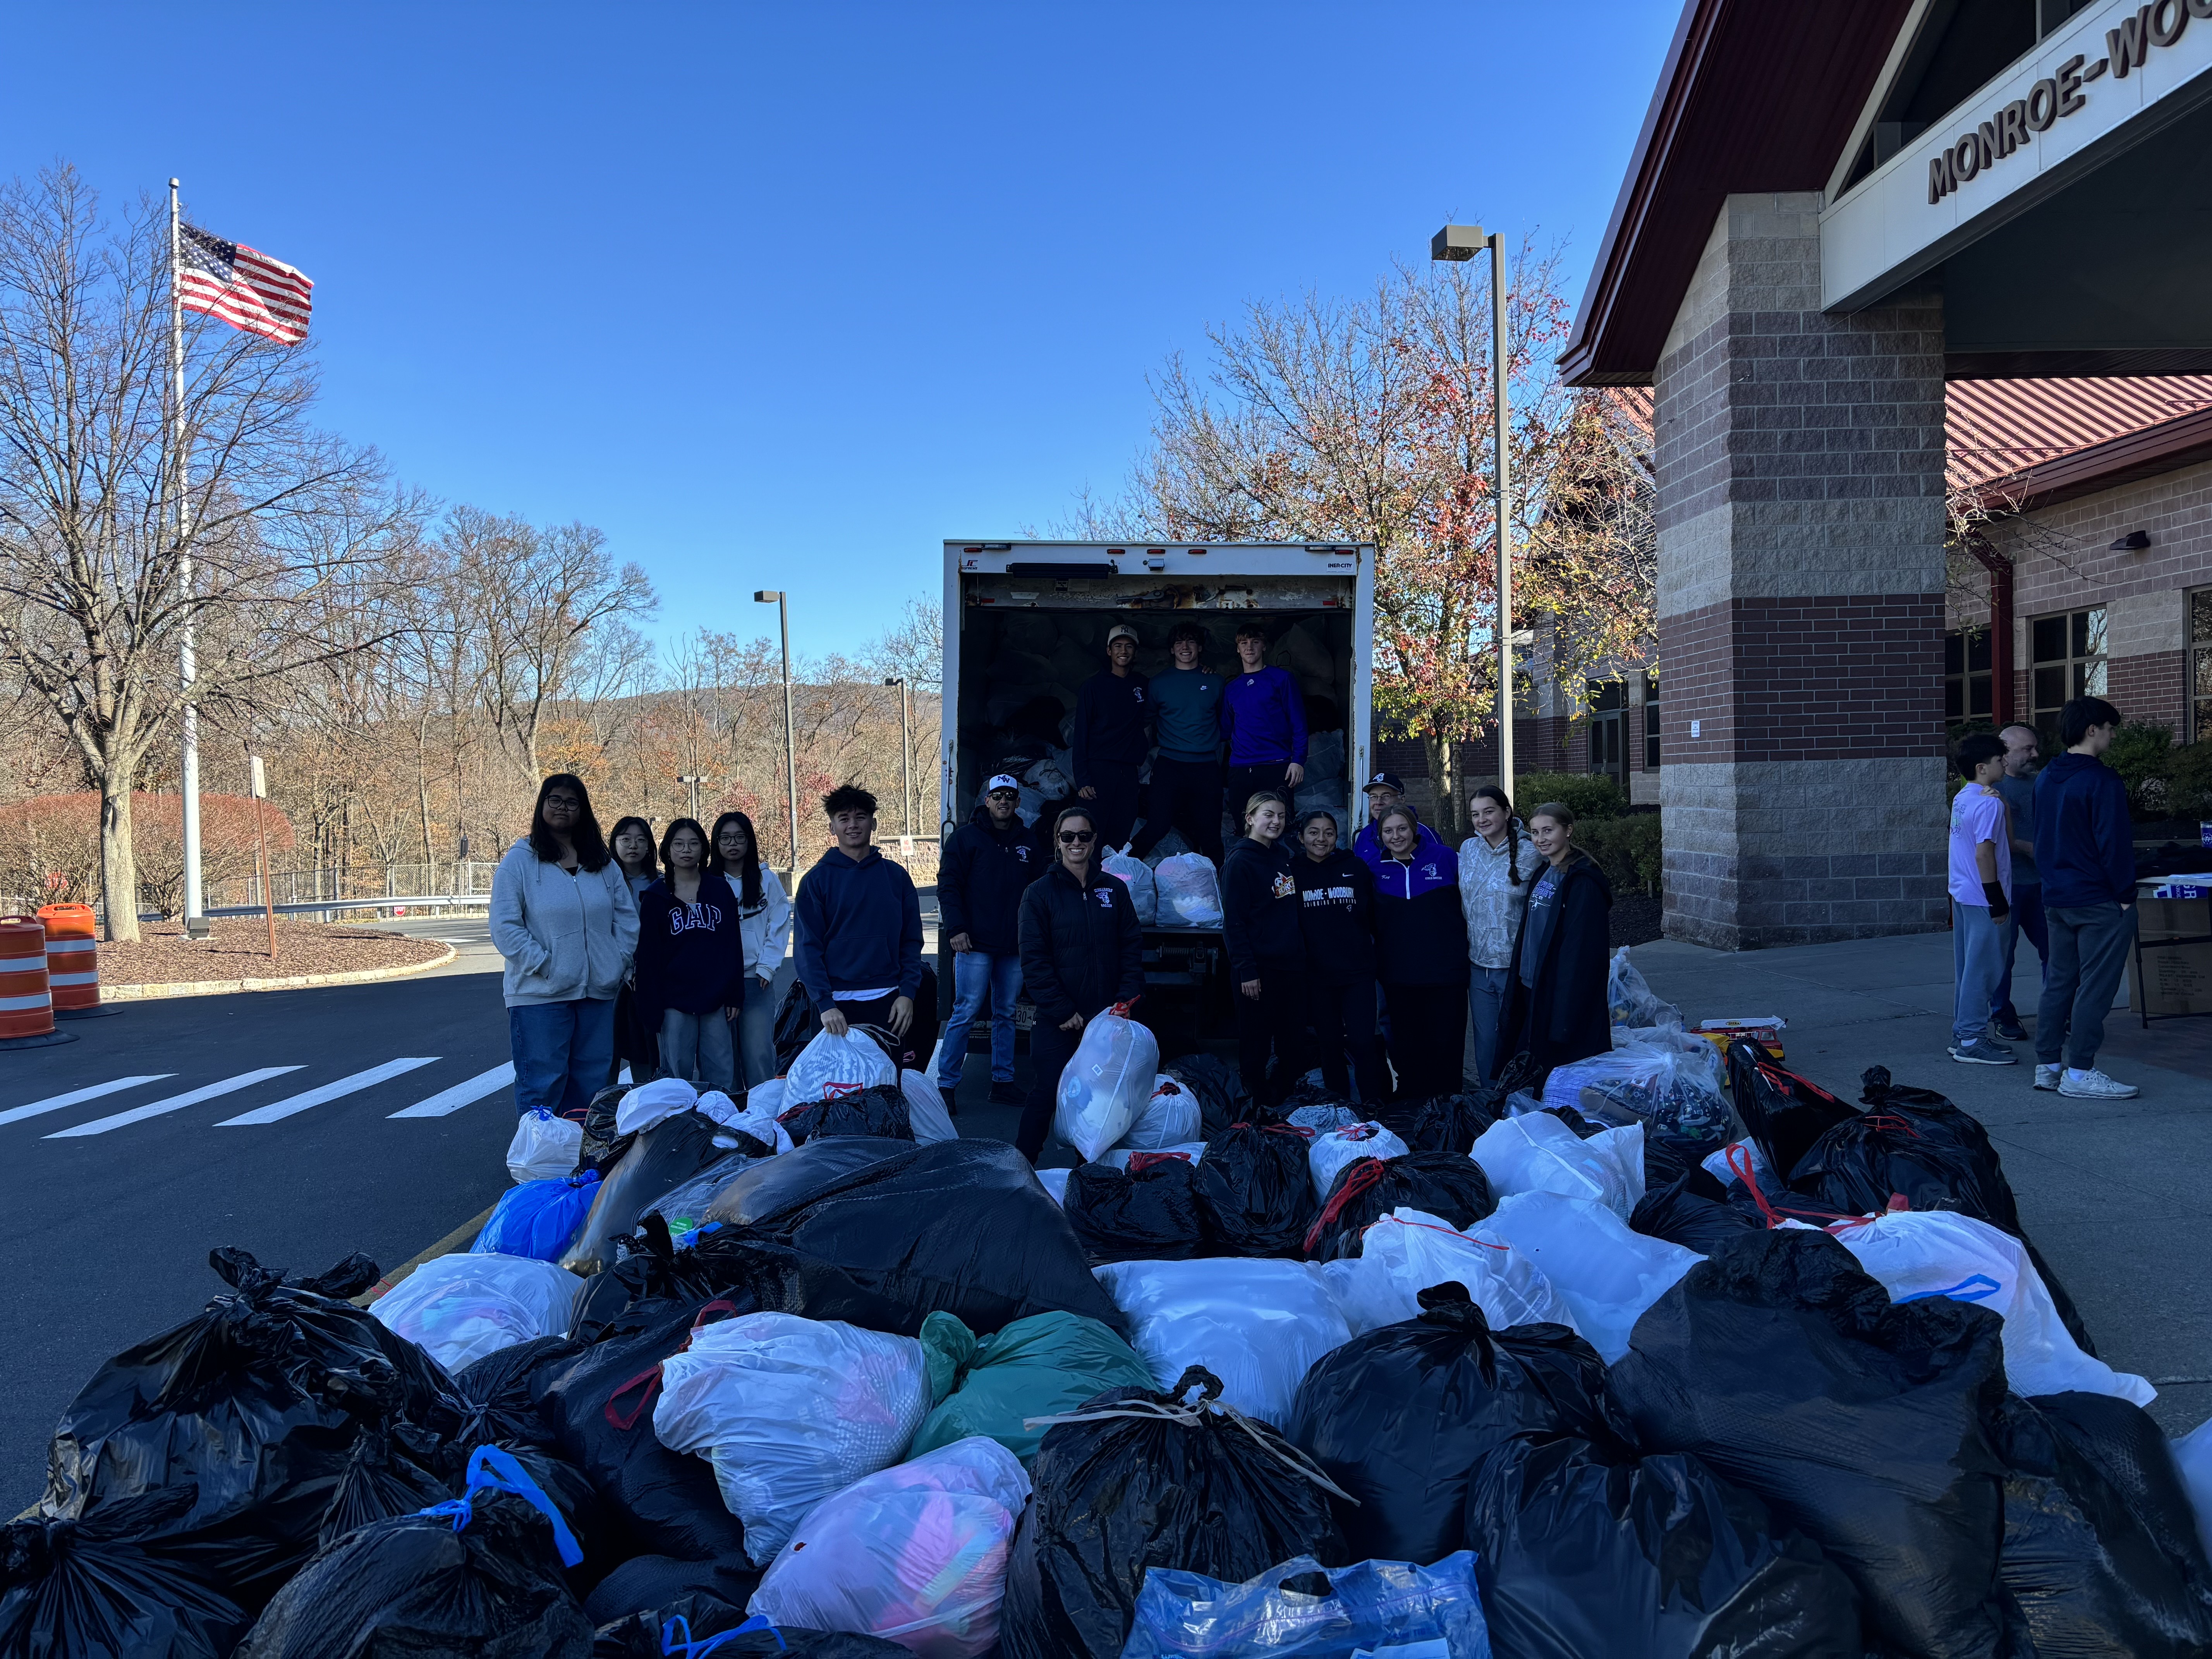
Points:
(72, 955)
(27, 1007)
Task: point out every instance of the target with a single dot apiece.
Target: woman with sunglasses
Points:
(766, 915)
(1082, 953)
(1266, 951)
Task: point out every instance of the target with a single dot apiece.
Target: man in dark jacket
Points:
(1556, 1009)
(2085, 852)
(858, 926)
(988, 865)
(1083, 951)
(1112, 731)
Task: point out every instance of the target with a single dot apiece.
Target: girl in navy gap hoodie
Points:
(691, 962)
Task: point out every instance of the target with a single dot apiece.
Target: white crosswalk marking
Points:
(77, 1096)
(100, 1126)
(278, 1111)
(446, 1102)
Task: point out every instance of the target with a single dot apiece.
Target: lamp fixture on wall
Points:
(2134, 542)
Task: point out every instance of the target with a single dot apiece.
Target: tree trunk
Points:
(1443, 770)
(119, 856)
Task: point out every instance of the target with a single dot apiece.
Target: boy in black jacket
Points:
(858, 926)
(988, 864)
(1112, 732)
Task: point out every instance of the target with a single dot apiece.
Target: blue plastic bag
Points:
(540, 1218)
(1376, 1607)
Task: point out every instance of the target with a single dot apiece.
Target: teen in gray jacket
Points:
(1496, 865)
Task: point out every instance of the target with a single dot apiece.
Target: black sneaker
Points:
(2009, 1030)
(1008, 1094)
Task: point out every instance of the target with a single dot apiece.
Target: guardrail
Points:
(314, 907)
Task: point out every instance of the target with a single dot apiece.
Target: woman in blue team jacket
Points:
(1420, 954)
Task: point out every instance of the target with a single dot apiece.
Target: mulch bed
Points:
(1634, 920)
(239, 949)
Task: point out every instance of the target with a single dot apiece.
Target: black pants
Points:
(1113, 809)
(1185, 796)
(1343, 1021)
(921, 1036)
(1275, 1019)
(1428, 1038)
(1245, 781)
(1050, 1049)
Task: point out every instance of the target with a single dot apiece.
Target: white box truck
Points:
(1025, 623)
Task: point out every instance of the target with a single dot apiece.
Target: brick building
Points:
(1832, 213)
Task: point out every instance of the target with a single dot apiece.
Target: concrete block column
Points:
(1800, 460)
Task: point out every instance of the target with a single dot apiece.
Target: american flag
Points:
(247, 290)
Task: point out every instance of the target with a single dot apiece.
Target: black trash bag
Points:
(1148, 1213)
(1454, 1122)
(1255, 1192)
(879, 1112)
(1448, 1185)
(500, 1394)
(479, 1575)
(654, 1633)
(89, 1591)
(394, 1467)
(1864, 1425)
(1579, 1554)
(1783, 1113)
(234, 1403)
(1669, 1157)
(796, 1023)
(1161, 1483)
(731, 1265)
(604, 1145)
(785, 1182)
(960, 1225)
(1584, 1127)
(2126, 1446)
(1693, 1211)
(572, 1494)
(1401, 1417)
(1222, 1099)
(672, 1151)
(645, 1583)
(2089, 1576)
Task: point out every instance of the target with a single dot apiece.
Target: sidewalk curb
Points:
(222, 988)
(459, 1239)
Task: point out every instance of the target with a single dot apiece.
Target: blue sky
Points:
(784, 296)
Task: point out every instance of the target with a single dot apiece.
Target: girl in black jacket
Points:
(1420, 948)
(1336, 917)
(691, 962)
(1082, 953)
(1266, 951)
(1556, 1008)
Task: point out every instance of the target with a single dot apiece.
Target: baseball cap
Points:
(1382, 781)
(1004, 780)
(1122, 631)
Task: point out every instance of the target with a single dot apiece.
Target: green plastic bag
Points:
(1039, 1366)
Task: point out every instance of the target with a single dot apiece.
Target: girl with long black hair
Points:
(636, 1046)
(691, 962)
(765, 914)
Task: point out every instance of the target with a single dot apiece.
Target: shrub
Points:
(2190, 786)
(2143, 756)
(1589, 795)
(1628, 848)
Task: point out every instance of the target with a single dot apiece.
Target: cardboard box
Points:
(2160, 918)
(2175, 979)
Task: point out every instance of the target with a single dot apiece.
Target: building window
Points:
(1651, 722)
(1608, 717)
(2200, 665)
(2067, 653)
(1966, 677)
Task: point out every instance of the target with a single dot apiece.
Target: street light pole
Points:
(906, 755)
(1455, 243)
(790, 743)
(691, 779)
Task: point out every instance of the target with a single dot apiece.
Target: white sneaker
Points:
(2046, 1077)
(2094, 1084)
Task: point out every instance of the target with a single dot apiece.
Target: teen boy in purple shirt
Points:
(1981, 899)
(1264, 718)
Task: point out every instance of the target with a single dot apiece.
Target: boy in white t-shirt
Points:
(1981, 900)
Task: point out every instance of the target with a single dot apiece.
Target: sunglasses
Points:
(1072, 837)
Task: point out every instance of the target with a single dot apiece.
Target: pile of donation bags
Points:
(1461, 1378)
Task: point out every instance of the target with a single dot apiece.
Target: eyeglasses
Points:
(1073, 837)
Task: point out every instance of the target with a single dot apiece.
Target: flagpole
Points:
(188, 664)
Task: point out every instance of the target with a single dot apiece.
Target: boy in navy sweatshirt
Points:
(858, 925)
(1113, 729)
(2085, 851)
(1264, 718)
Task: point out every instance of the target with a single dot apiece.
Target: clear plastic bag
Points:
(654, 1102)
(1663, 1076)
(925, 1109)
(1333, 1148)
(1375, 1608)
(1630, 1000)
(684, 1208)
(788, 1411)
(1106, 1083)
(544, 1147)
(915, 1554)
(1190, 891)
(1538, 1153)
(1605, 1274)
(1169, 1118)
(835, 1065)
(1257, 1324)
(1409, 1251)
(1321, 1118)
(460, 1308)
(1137, 876)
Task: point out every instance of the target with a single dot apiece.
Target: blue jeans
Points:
(977, 976)
(757, 1033)
(1485, 1006)
(698, 1049)
(2089, 953)
(562, 1053)
(2026, 918)
(1977, 968)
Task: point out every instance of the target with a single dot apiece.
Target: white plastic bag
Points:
(1137, 876)
(1540, 1154)
(653, 1103)
(1630, 1000)
(544, 1147)
(1056, 1183)
(1189, 894)
(1258, 1325)
(1106, 1084)
(1169, 1118)
(788, 1411)
(1329, 1152)
(925, 1109)
(1409, 1251)
(460, 1308)
(1606, 1274)
(2192, 1453)
(836, 1065)
(915, 1554)
(1190, 1152)
(1922, 1253)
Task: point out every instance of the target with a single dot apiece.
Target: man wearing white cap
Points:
(988, 864)
(1113, 730)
